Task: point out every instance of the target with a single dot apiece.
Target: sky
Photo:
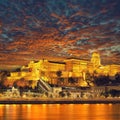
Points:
(58, 29)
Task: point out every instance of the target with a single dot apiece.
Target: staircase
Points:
(44, 86)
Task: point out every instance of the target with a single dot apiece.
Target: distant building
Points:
(12, 93)
(77, 69)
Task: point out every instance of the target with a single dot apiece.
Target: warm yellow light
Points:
(46, 70)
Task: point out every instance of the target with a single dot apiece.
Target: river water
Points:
(60, 112)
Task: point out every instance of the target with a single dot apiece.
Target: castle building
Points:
(68, 68)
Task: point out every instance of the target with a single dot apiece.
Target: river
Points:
(59, 111)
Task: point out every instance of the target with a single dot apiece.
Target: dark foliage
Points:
(117, 77)
(72, 80)
(59, 73)
(62, 94)
(114, 93)
(102, 80)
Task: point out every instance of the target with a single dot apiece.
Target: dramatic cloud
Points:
(56, 29)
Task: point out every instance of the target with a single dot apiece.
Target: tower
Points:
(96, 59)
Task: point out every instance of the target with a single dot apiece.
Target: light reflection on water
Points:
(60, 112)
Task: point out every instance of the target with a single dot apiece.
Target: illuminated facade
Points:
(77, 69)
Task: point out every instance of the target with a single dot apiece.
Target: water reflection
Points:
(60, 112)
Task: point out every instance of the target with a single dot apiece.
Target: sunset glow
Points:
(50, 29)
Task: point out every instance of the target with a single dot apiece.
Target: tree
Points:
(71, 80)
(101, 80)
(114, 93)
(62, 94)
(88, 78)
(30, 82)
(59, 74)
(117, 78)
(17, 70)
(3, 79)
(21, 83)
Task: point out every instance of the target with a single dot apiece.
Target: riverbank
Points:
(59, 101)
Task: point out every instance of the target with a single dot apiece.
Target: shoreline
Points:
(59, 101)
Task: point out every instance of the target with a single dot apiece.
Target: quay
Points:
(59, 101)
